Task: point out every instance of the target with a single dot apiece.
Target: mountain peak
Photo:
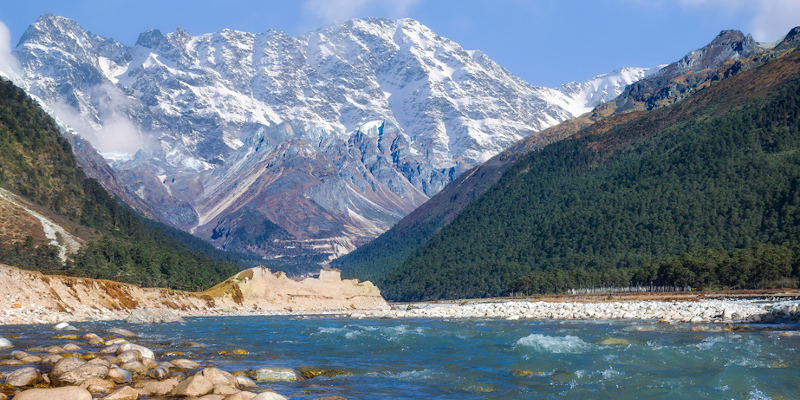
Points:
(792, 39)
(150, 38)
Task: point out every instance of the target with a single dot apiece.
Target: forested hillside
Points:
(36, 162)
(717, 172)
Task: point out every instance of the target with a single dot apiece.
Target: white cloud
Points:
(774, 18)
(9, 67)
(114, 133)
(770, 20)
(331, 11)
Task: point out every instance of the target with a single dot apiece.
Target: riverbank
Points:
(28, 297)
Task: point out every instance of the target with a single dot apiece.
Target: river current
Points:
(484, 359)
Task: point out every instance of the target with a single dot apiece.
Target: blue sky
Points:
(546, 42)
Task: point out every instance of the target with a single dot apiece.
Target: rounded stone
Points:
(62, 393)
(196, 386)
(123, 393)
(119, 375)
(24, 377)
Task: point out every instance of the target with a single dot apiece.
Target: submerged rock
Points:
(275, 374)
(152, 316)
(311, 372)
(121, 332)
(615, 342)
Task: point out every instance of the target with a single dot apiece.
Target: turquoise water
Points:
(485, 359)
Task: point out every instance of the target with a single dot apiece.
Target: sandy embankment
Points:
(28, 297)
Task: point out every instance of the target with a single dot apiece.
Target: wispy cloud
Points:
(769, 19)
(331, 11)
(114, 132)
(9, 66)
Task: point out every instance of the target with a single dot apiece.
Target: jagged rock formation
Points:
(332, 136)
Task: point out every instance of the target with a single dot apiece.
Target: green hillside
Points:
(37, 163)
(719, 171)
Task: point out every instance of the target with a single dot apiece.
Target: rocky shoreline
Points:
(82, 366)
(702, 311)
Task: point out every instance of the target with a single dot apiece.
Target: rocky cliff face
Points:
(31, 297)
(332, 136)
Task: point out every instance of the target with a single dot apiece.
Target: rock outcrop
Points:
(32, 297)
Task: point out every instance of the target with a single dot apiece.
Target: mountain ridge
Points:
(183, 107)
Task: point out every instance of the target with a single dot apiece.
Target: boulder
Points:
(121, 332)
(5, 343)
(270, 396)
(241, 396)
(77, 376)
(72, 347)
(152, 316)
(135, 367)
(64, 365)
(225, 390)
(185, 364)
(24, 377)
(51, 359)
(123, 393)
(98, 386)
(116, 341)
(275, 374)
(62, 393)
(100, 361)
(212, 397)
(196, 385)
(245, 382)
(119, 375)
(159, 373)
(130, 355)
(54, 349)
(218, 377)
(158, 388)
(145, 352)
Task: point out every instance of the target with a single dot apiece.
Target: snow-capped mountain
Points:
(320, 141)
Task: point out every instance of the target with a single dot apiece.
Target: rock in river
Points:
(5, 343)
(24, 377)
(275, 374)
(62, 393)
(196, 385)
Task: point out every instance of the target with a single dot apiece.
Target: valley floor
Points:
(32, 298)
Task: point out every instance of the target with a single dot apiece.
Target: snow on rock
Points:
(378, 114)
